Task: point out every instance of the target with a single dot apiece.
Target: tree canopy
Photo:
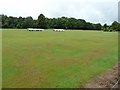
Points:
(49, 23)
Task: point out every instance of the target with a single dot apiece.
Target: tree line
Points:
(58, 23)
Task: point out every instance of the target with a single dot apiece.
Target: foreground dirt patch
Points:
(106, 80)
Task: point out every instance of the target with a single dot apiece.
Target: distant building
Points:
(119, 11)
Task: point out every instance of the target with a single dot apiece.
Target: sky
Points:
(95, 11)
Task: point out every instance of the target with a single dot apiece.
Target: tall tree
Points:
(41, 22)
(97, 26)
(28, 22)
(115, 26)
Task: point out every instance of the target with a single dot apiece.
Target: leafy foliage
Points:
(61, 22)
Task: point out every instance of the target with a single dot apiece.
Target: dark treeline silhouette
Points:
(49, 23)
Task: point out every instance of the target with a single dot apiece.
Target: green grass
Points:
(0, 58)
(56, 59)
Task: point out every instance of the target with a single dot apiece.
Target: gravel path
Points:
(109, 79)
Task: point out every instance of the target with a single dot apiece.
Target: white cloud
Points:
(104, 11)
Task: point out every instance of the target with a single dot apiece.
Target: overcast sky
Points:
(103, 11)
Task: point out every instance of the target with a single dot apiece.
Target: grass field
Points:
(56, 59)
(0, 58)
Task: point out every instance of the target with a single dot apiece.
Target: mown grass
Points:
(0, 59)
(56, 59)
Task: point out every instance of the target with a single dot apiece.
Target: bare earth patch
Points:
(106, 80)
